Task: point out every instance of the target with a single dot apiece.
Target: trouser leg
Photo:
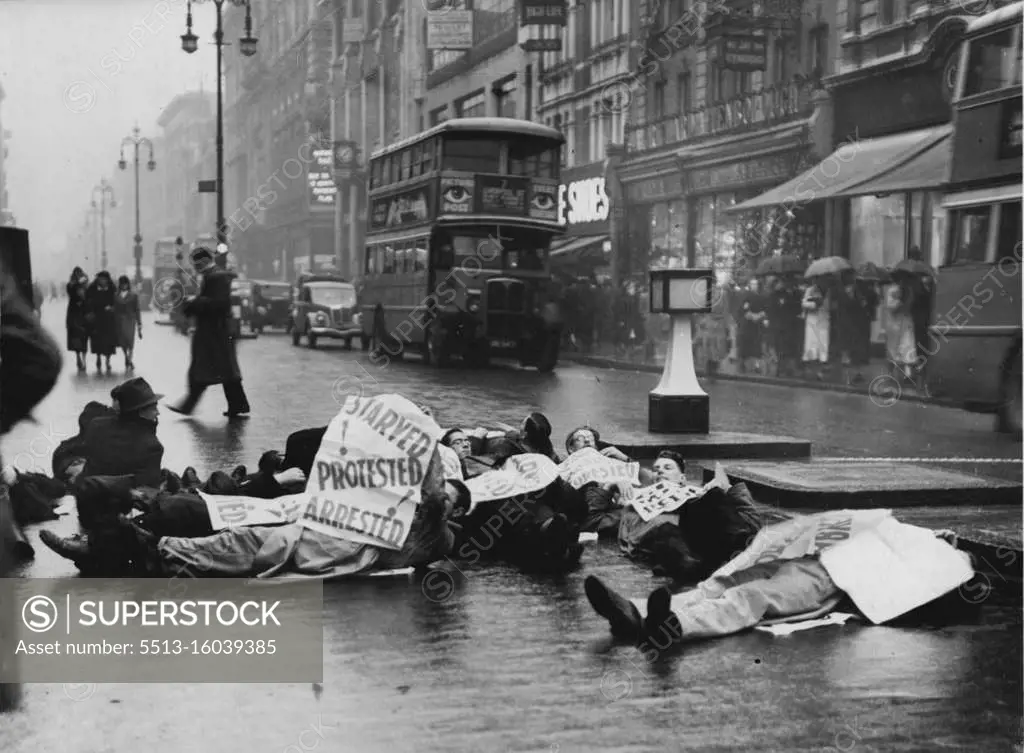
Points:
(231, 552)
(195, 393)
(234, 393)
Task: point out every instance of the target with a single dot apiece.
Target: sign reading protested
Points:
(664, 496)
(522, 474)
(365, 483)
(587, 465)
(233, 511)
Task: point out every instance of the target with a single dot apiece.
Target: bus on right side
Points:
(975, 356)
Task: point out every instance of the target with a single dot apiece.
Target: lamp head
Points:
(189, 42)
(151, 165)
(123, 164)
(247, 45)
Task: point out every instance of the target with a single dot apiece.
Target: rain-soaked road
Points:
(511, 662)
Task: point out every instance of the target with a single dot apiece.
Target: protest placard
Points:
(366, 477)
(522, 474)
(803, 536)
(587, 465)
(233, 511)
(661, 497)
(450, 461)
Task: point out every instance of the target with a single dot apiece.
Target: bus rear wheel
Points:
(1009, 419)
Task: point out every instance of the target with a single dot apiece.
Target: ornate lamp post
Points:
(247, 46)
(135, 141)
(106, 194)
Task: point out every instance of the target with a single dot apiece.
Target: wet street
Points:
(488, 659)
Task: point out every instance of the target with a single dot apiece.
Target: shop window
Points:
(994, 62)
(970, 235)
(1008, 243)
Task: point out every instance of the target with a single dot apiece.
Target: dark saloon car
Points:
(271, 305)
(326, 306)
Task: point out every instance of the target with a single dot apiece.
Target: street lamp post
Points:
(135, 141)
(106, 193)
(247, 46)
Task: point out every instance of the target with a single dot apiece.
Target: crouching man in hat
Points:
(116, 454)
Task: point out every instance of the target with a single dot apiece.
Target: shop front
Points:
(657, 224)
(584, 208)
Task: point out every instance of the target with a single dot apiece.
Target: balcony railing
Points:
(776, 104)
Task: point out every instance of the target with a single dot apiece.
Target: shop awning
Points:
(849, 169)
(929, 169)
(579, 247)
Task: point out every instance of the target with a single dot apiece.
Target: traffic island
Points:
(715, 445)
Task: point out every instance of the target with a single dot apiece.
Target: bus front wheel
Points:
(1009, 419)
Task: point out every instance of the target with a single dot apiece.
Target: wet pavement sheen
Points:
(491, 659)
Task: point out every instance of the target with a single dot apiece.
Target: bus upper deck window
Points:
(473, 154)
(993, 63)
(1009, 239)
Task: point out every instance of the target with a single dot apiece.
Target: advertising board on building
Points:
(322, 189)
(543, 12)
(498, 194)
(653, 190)
(450, 30)
(773, 169)
(584, 202)
(744, 52)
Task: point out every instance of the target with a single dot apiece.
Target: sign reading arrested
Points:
(365, 483)
(587, 465)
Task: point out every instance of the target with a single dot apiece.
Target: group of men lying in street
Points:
(383, 487)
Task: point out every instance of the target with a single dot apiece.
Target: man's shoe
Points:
(236, 414)
(74, 548)
(662, 628)
(175, 408)
(556, 536)
(621, 613)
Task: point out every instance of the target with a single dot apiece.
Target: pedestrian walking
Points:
(214, 360)
(99, 299)
(76, 319)
(129, 319)
(899, 326)
(752, 316)
(785, 327)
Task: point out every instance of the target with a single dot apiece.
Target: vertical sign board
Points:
(322, 190)
(450, 30)
(543, 12)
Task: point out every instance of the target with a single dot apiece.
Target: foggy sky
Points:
(78, 74)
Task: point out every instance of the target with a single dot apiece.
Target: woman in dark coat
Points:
(99, 300)
(752, 313)
(76, 320)
(129, 319)
(213, 349)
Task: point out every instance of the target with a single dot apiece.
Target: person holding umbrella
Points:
(783, 310)
(922, 282)
(817, 305)
(901, 347)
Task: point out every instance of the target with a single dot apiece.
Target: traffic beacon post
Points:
(678, 405)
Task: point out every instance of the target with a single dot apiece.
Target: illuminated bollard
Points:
(678, 405)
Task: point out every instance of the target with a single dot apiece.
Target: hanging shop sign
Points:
(583, 201)
(743, 52)
(543, 12)
(322, 189)
(450, 30)
(344, 159)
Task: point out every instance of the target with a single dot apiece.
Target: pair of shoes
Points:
(621, 613)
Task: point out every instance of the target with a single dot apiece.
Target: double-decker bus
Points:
(461, 219)
(977, 324)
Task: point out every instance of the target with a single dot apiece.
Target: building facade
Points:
(710, 126)
(187, 156)
(6, 218)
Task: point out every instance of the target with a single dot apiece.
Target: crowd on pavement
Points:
(789, 321)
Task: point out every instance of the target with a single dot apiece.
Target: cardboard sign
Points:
(450, 460)
(803, 536)
(664, 496)
(365, 481)
(234, 511)
(894, 568)
(587, 465)
(522, 474)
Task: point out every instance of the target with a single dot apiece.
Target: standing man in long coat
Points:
(213, 349)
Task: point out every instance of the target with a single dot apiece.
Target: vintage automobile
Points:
(326, 306)
(241, 301)
(271, 305)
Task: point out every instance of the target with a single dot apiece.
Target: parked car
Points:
(326, 306)
(241, 303)
(271, 305)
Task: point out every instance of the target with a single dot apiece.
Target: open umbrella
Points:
(830, 265)
(786, 264)
(871, 271)
(914, 267)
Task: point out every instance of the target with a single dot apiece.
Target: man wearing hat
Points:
(213, 349)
